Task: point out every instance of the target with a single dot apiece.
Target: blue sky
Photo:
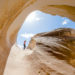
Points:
(37, 22)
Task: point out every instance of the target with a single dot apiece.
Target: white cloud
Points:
(37, 19)
(33, 17)
(65, 22)
(27, 35)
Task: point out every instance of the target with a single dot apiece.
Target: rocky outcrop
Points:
(14, 12)
(60, 43)
(49, 53)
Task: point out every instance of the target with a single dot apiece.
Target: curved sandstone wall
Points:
(14, 12)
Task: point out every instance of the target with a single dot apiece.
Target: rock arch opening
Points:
(14, 12)
(38, 22)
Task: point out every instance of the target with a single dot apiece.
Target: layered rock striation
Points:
(14, 12)
(48, 53)
(60, 43)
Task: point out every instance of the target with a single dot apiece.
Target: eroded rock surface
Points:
(14, 12)
(49, 53)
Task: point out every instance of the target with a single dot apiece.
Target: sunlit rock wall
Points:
(50, 53)
(61, 43)
(14, 12)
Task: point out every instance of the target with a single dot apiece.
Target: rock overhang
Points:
(13, 13)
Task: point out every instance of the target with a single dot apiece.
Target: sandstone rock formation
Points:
(14, 12)
(49, 53)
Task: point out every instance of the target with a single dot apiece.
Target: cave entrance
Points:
(37, 22)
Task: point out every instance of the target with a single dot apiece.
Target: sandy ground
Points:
(16, 65)
(31, 62)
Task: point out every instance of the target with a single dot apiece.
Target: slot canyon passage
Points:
(48, 53)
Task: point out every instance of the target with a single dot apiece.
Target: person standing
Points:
(24, 44)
